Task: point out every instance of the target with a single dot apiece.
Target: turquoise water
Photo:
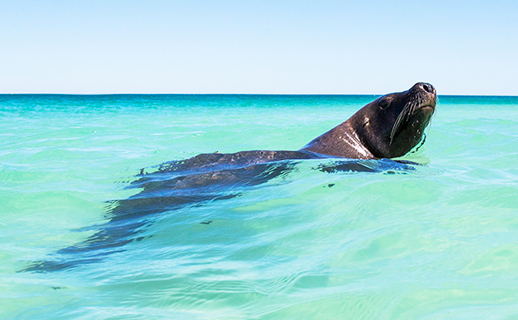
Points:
(437, 242)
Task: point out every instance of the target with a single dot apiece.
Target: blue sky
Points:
(219, 46)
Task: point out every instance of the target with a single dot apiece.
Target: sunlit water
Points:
(437, 242)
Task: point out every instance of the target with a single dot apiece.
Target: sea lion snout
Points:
(425, 93)
(424, 88)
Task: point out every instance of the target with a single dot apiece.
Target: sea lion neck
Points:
(342, 141)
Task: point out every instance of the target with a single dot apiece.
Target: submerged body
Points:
(385, 128)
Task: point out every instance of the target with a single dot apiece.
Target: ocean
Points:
(439, 241)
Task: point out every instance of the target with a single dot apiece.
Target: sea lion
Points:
(388, 127)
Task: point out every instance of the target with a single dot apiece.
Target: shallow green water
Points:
(438, 242)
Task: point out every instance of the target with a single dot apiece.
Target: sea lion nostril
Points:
(427, 87)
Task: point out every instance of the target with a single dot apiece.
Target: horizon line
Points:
(245, 94)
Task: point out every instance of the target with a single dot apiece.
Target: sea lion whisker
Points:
(408, 110)
(403, 115)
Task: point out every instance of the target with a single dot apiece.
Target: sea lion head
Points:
(393, 124)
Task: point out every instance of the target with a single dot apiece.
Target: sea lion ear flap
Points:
(384, 102)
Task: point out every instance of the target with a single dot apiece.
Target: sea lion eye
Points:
(384, 103)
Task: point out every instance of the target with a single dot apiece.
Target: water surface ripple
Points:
(436, 242)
